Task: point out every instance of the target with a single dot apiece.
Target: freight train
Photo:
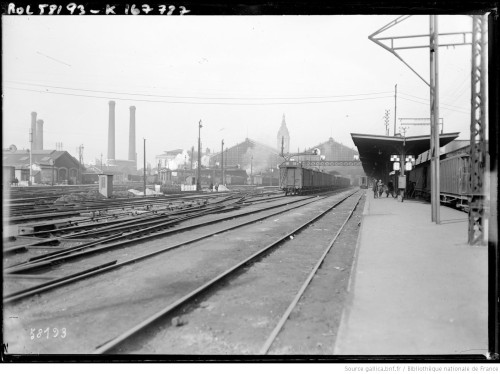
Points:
(295, 179)
(454, 175)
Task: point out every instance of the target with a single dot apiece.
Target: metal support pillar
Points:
(477, 214)
(434, 95)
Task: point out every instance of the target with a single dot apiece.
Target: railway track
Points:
(199, 295)
(77, 286)
(121, 240)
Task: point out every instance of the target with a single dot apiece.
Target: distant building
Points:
(335, 151)
(49, 166)
(283, 138)
(249, 155)
(167, 156)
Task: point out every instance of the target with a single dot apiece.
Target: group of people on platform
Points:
(379, 188)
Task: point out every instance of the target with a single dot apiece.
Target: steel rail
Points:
(56, 255)
(55, 284)
(59, 281)
(272, 337)
(105, 205)
(42, 260)
(107, 346)
(23, 247)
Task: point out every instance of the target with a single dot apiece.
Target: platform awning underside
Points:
(375, 150)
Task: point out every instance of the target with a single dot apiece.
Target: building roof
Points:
(334, 144)
(248, 143)
(375, 150)
(173, 152)
(21, 158)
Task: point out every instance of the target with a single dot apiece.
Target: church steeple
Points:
(283, 134)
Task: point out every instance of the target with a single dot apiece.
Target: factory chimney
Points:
(111, 131)
(33, 130)
(39, 135)
(131, 140)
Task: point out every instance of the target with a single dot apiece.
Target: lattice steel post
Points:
(477, 214)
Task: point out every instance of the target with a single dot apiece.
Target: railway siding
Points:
(98, 308)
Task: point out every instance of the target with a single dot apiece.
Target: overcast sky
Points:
(238, 74)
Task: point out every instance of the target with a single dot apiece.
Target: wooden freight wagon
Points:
(454, 180)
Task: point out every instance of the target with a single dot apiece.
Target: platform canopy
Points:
(375, 150)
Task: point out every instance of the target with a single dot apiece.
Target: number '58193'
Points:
(47, 333)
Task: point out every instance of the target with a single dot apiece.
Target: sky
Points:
(237, 74)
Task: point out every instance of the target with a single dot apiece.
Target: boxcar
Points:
(295, 179)
(454, 177)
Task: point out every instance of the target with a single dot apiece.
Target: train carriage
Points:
(295, 179)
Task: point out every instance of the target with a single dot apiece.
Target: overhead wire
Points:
(427, 101)
(419, 102)
(196, 97)
(194, 102)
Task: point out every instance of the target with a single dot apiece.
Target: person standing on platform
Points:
(391, 188)
(380, 187)
(375, 188)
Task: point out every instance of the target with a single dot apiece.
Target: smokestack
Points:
(131, 140)
(39, 134)
(111, 131)
(33, 130)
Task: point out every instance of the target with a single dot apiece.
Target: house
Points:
(48, 166)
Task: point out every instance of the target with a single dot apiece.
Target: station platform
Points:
(416, 288)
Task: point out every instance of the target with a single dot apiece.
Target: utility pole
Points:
(222, 163)
(434, 94)
(144, 167)
(395, 107)
(31, 158)
(386, 117)
(403, 130)
(251, 169)
(80, 160)
(433, 85)
(198, 184)
(192, 155)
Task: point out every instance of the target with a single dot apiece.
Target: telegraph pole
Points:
(395, 107)
(222, 163)
(80, 160)
(434, 94)
(198, 184)
(31, 159)
(192, 155)
(386, 117)
(144, 167)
